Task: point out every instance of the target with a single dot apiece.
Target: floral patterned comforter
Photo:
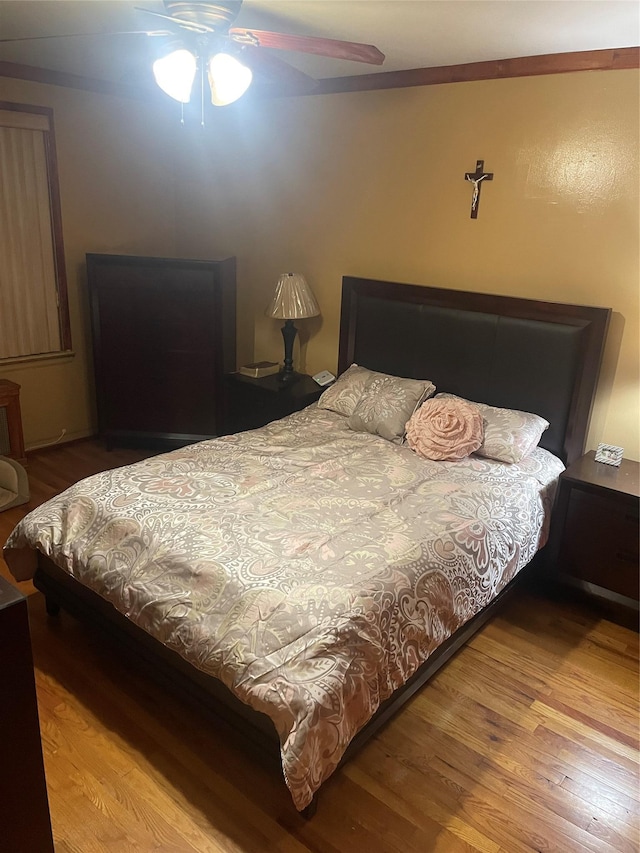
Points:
(310, 568)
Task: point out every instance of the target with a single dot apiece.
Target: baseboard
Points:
(76, 439)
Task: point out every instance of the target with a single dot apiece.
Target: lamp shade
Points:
(293, 299)
(228, 79)
(175, 73)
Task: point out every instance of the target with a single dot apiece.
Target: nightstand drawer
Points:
(600, 544)
(252, 403)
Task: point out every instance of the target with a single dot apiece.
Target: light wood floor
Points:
(526, 741)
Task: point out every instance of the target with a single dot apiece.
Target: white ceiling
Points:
(411, 33)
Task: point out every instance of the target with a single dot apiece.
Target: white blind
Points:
(29, 319)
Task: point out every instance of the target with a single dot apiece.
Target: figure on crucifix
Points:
(476, 178)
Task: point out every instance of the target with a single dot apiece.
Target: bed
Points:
(307, 578)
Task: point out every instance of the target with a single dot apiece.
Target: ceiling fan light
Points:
(175, 73)
(228, 79)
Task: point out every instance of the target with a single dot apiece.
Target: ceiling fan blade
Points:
(267, 65)
(310, 44)
(78, 35)
(178, 22)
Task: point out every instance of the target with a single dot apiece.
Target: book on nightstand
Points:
(258, 369)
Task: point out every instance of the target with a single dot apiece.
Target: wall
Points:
(372, 184)
(117, 195)
(368, 184)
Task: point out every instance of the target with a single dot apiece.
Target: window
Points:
(34, 313)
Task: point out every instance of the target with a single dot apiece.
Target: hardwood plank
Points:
(581, 652)
(613, 770)
(621, 842)
(357, 821)
(615, 804)
(95, 705)
(534, 814)
(511, 701)
(573, 628)
(425, 813)
(487, 782)
(557, 673)
(489, 735)
(619, 735)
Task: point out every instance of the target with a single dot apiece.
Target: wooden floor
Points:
(526, 741)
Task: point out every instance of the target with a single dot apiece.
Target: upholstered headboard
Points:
(541, 357)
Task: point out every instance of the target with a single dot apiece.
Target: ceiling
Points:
(411, 33)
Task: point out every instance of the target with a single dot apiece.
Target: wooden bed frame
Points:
(517, 353)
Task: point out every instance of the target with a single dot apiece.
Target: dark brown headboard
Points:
(541, 357)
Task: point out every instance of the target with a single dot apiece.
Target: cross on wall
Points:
(476, 179)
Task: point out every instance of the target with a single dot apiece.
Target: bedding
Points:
(445, 429)
(343, 396)
(387, 403)
(311, 568)
(375, 402)
(509, 434)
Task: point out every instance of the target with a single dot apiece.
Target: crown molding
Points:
(72, 81)
(500, 69)
(613, 59)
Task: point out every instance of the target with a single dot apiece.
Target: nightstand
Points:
(596, 529)
(11, 439)
(252, 403)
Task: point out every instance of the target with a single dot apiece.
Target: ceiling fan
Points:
(201, 36)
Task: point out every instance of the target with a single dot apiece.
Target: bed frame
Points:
(517, 353)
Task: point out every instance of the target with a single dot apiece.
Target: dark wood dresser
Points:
(596, 529)
(164, 335)
(25, 824)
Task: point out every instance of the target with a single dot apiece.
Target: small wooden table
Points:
(252, 403)
(11, 439)
(596, 529)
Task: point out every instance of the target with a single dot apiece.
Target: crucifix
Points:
(476, 178)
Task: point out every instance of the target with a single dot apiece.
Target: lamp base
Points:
(287, 377)
(289, 333)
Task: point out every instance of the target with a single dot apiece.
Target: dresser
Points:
(164, 335)
(25, 825)
(596, 529)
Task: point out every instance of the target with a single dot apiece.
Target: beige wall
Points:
(117, 195)
(372, 184)
(368, 184)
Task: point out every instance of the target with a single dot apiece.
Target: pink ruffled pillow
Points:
(445, 429)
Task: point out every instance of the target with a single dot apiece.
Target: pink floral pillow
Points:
(445, 429)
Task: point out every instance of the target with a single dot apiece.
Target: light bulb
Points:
(175, 73)
(228, 78)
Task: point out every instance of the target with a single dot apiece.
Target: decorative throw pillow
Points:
(445, 429)
(342, 397)
(387, 403)
(509, 434)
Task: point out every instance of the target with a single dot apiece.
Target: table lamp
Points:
(293, 300)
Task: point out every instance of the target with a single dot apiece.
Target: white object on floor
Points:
(14, 484)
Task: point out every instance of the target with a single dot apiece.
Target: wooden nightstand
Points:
(11, 440)
(252, 403)
(596, 529)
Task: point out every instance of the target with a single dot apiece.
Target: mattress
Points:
(310, 568)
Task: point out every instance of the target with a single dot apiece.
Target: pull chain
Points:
(201, 93)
